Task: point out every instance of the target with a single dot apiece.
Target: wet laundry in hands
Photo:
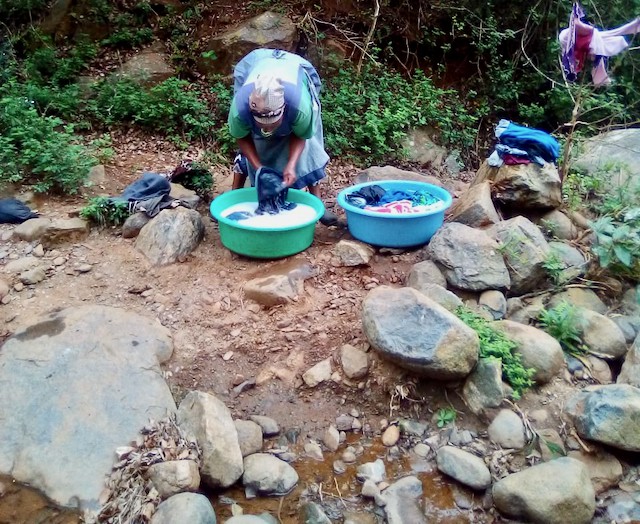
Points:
(272, 192)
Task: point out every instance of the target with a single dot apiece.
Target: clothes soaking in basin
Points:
(394, 213)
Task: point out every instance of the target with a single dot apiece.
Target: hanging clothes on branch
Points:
(582, 40)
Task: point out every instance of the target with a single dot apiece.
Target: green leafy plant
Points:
(103, 212)
(617, 243)
(554, 266)
(562, 322)
(370, 114)
(495, 344)
(446, 416)
(102, 148)
(173, 107)
(37, 149)
(198, 179)
(579, 187)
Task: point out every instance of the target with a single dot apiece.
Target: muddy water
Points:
(21, 505)
(341, 493)
(337, 493)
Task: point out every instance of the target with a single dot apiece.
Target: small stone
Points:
(374, 471)
(244, 386)
(356, 425)
(348, 457)
(269, 426)
(331, 438)
(38, 251)
(339, 467)
(227, 356)
(313, 450)
(18, 286)
(344, 422)
(390, 436)
(354, 413)
(4, 289)
(5, 300)
(58, 261)
(317, 374)
(84, 268)
(421, 450)
(33, 276)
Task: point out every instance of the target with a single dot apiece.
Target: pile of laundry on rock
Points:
(522, 145)
(379, 200)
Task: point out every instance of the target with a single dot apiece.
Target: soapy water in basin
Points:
(301, 214)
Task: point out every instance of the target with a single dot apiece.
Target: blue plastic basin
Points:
(394, 230)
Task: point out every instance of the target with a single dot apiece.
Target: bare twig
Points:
(335, 481)
(369, 37)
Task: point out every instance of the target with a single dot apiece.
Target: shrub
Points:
(38, 149)
(103, 212)
(495, 344)
(563, 323)
(173, 107)
(370, 113)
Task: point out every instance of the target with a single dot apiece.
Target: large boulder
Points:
(475, 208)
(538, 350)
(76, 385)
(484, 389)
(570, 261)
(421, 147)
(527, 186)
(415, 333)
(558, 225)
(185, 507)
(468, 258)
(525, 252)
(149, 67)
(53, 232)
(630, 373)
(403, 502)
(221, 52)
(206, 419)
(265, 475)
(555, 492)
(380, 173)
(579, 297)
(171, 236)
(608, 414)
(602, 335)
(617, 152)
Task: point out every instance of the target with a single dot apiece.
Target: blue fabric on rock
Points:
(535, 142)
(14, 211)
(150, 193)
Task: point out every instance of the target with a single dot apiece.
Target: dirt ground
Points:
(201, 301)
(221, 339)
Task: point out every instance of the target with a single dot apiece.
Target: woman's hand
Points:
(289, 176)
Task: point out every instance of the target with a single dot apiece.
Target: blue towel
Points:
(533, 141)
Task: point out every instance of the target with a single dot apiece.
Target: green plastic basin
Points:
(264, 242)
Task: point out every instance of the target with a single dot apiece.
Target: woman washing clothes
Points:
(275, 117)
